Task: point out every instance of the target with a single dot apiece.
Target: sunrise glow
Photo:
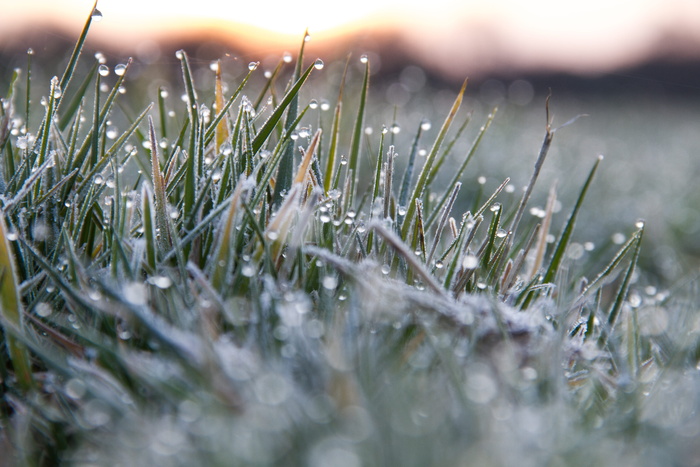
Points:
(449, 35)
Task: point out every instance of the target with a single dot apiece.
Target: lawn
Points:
(251, 268)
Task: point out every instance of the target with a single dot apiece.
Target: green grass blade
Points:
(460, 171)
(421, 184)
(11, 310)
(358, 131)
(448, 147)
(265, 131)
(544, 150)
(626, 281)
(221, 113)
(286, 167)
(408, 174)
(329, 181)
(192, 164)
(70, 68)
(68, 113)
(149, 226)
(161, 201)
(565, 236)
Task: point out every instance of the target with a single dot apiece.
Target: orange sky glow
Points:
(450, 35)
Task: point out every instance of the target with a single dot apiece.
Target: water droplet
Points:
(395, 128)
(248, 270)
(575, 251)
(120, 69)
(439, 265)
(318, 64)
(43, 309)
(325, 105)
(253, 65)
(135, 293)
(112, 132)
(163, 93)
(96, 413)
(422, 152)
(162, 282)
(343, 160)
(481, 180)
(385, 130)
(426, 125)
(104, 87)
(500, 233)
(103, 70)
(272, 235)
(495, 207)
(538, 212)
(386, 269)
(307, 37)
(330, 282)
(30, 51)
(640, 224)
(75, 388)
(401, 210)
(313, 104)
(589, 246)
(287, 57)
(180, 54)
(99, 180)
(96, 15)
(618, 238)
(364, 59)
(470, 262)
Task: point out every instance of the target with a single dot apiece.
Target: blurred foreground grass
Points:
(232, 269)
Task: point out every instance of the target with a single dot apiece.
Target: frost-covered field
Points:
(229, 268)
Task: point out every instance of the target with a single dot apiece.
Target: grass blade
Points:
(421, 184)
(565, 236)
(286, 167)
(358, 131)
(11, 310)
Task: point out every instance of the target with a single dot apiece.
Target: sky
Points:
(452, 36)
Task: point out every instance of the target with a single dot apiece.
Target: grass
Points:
(226, 288)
